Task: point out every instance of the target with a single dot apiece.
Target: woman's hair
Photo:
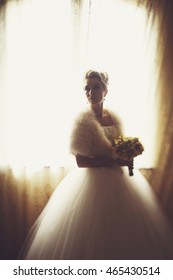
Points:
(101, 76)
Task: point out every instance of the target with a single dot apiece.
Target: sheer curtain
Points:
(49, 46)
(38, 82)
(46, 46)
(162, 178)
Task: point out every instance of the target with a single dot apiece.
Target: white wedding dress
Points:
(100, 213)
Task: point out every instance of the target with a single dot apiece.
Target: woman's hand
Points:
(129, 163)
(123, 162)
(83, 161)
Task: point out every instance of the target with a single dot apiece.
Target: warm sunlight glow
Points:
(44, 85)
(37, 83)
(127, 55)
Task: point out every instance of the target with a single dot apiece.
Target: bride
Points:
(98, 211)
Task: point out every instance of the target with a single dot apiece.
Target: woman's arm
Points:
(83, 161)
(123, 162)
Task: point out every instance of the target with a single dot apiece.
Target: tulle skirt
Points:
(101, 213)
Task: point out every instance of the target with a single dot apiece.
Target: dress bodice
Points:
(110, 132)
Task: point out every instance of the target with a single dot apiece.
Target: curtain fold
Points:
(163, 178)
(161, 175)
(22, 199)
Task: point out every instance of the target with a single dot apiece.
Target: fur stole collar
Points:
(89, 138)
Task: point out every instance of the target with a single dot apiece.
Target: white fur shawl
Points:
(89, 138)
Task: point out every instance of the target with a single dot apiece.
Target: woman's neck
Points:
(98, 110)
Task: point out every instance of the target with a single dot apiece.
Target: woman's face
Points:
(95, 91)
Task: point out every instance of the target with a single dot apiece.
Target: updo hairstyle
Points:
(101, 76)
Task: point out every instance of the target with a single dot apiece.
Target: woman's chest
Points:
(110, 132)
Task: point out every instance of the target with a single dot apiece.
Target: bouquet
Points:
(127, 148)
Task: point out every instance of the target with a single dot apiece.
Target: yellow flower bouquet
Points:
(127, 148)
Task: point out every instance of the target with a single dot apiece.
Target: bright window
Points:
(49, 46)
